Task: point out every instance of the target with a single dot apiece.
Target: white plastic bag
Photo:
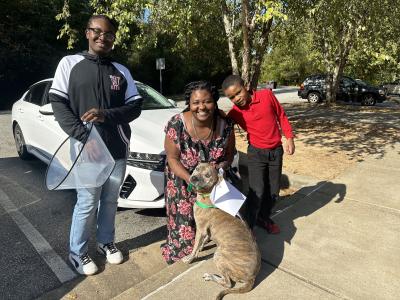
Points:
(80, 165)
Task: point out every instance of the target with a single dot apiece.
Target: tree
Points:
(246, 24)
(247, 27)
(29, 50)
(291, 56)
(340, 25)
(149, 29)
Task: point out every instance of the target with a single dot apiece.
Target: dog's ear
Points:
(220, 176)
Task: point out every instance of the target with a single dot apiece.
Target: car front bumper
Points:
(302, 94)
(142, 188)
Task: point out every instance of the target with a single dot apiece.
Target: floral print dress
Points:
(179, 202)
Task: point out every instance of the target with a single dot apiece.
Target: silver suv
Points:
(392, 88)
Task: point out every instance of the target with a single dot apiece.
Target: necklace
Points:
(209, 134)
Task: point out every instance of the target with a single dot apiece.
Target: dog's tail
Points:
(243, 289)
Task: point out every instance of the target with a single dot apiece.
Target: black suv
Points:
(314, 90)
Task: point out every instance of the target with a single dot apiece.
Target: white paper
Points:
(227, 198)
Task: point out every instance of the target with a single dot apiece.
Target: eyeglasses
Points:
(109, 36)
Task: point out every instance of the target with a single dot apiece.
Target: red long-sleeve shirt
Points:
(263, 119)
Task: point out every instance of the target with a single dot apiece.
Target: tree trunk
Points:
(339, 63)
(229, 25)
(246, 42)
(259, 55)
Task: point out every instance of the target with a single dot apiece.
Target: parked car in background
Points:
(392, 88)
(37, 133)
(314, 90)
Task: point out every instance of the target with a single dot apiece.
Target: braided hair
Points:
(202, 85)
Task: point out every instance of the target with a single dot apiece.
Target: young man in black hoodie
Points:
(89, 87)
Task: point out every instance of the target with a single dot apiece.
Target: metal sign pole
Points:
(160, 65)
(160, 82)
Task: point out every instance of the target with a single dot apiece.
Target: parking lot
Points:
(35, 225)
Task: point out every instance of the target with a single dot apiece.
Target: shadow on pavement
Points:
(303, 203)
(357, 131)
(143, 240)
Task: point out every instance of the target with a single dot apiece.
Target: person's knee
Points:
(87, 199)
(86, 207)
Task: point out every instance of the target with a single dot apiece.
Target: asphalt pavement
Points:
(35, 223)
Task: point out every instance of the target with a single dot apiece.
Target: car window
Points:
(46, 99)
(347, 82)
(151, 98)
(359, 81)
(36, 92)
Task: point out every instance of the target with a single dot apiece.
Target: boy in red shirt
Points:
(261, 115)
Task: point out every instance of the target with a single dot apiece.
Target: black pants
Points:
(265, 170)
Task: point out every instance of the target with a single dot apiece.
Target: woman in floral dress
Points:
(201, 133)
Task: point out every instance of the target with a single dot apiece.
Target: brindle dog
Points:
(237, 256)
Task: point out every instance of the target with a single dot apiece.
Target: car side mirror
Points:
(46, 110)
(172, 102)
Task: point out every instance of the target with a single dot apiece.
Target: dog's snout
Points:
(194, 179)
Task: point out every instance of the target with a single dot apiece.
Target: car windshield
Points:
(151, 98)
(359, 81)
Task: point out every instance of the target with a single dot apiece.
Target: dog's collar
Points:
(202, 205)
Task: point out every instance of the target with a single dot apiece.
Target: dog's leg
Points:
(198, 245)
(225, 281)
(205, 241)
(222, 279)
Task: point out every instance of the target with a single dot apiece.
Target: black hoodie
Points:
(84, 81)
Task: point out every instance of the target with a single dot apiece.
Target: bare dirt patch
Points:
(329, 140)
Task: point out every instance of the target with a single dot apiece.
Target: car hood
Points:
(148, 130)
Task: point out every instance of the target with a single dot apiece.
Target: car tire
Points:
(314, 97)
(368, 100)
(20, 143)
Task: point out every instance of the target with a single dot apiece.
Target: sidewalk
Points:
(339, 239)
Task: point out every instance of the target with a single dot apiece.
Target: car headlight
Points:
(154, 162)
(381, 92)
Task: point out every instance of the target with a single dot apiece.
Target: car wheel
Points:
(368, 99)
(20, 143)
(313, 97)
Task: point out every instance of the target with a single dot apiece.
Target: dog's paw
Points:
(187, 259)
(207, 277)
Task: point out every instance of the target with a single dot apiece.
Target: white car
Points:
(37, 133)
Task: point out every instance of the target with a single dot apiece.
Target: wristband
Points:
(189, 187)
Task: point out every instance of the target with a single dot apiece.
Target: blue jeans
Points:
(105, 199)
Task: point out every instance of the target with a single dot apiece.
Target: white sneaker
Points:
(114, 256)
(83, 264)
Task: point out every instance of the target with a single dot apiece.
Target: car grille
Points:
(154, 162)
(127, 187)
